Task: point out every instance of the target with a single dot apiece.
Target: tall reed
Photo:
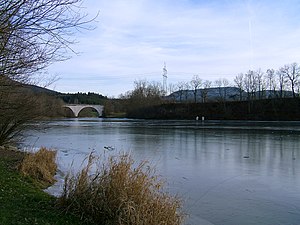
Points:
(119, 193)
(40, 165)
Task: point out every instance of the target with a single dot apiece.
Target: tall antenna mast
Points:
(165, 77)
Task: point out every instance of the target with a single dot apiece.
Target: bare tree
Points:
(144, 95)
(292, 74)
(222, 85)
(250, 84)
(281, 82)
(196, 83)
(144, 89)
(271, 81)
(19, 105)
(180, 89)
(186, 90)
(33, 35)
(206, 85)
(239, 83)
(259, 82)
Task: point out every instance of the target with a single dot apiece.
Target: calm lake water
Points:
(233, 173)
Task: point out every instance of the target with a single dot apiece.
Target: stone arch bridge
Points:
(76, 108)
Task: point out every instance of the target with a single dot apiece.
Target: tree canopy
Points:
(36, 33)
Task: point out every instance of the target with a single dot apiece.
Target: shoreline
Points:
(22, 200)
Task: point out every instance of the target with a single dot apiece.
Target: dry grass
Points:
(40, 165)
(120, 194)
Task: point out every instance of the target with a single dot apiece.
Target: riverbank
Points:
(286, 109)
(22, 201)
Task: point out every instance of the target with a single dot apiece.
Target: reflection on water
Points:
(228, 172)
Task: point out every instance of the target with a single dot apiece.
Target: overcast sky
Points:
(211, 38)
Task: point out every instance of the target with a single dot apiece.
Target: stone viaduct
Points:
(76, 108)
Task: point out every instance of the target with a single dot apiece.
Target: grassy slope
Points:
(22, 202)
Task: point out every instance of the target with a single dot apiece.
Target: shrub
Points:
(40, 165)
(118, 193)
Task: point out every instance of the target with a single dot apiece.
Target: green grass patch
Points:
(22, 202)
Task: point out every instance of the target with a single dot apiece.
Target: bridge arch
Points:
(76, 109)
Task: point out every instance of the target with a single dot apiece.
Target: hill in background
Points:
(69, 98)
(223, 94)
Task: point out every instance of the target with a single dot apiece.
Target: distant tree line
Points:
(250, 86)
(271, 82)
(254, 84)
(83, 98)
(143, 95)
